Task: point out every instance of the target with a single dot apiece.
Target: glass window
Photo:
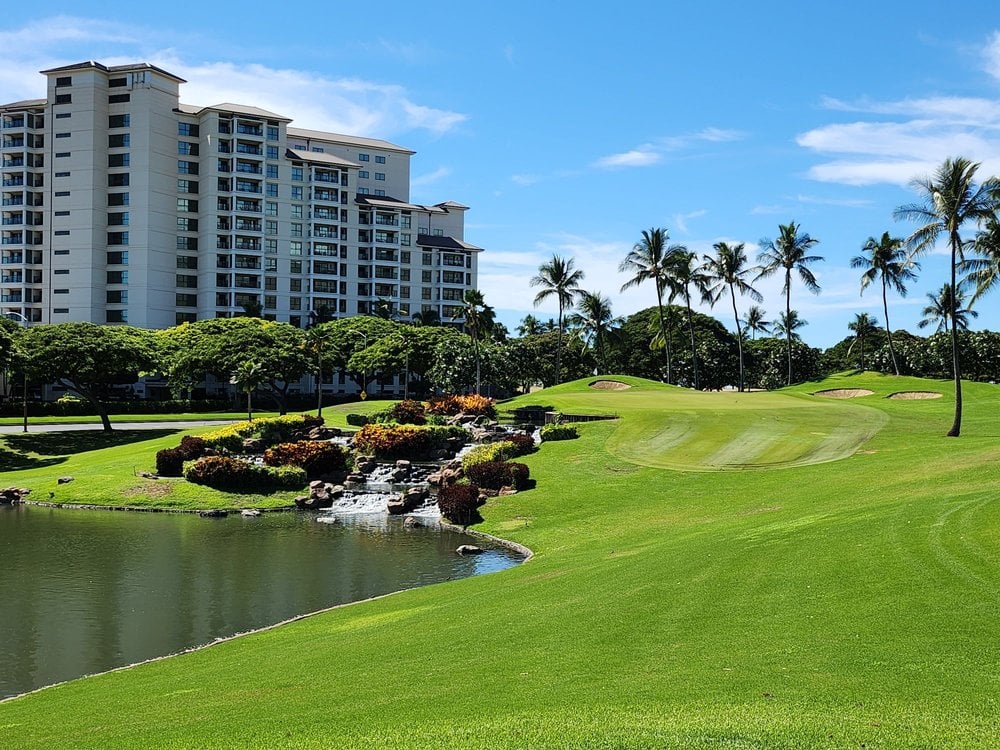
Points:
(380, 175)
(272, 171)
(272, 190)
(363, 174)
(272, 133)
(187, 128)
(297, 212)
(362, 157)
(296, 193)
(380, 160)
(297, 174)
(272, 152)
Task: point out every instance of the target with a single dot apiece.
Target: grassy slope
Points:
(834, 604)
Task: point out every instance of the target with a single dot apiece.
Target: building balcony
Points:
(255, 130)
(10, 298)
(13, 201)
(13, 259)
(12, 143)
(9, 123)
(15, 162)
(249, 148)
(13, 181)
(249, 169)
(330, 196)
(12, 221)
(247, 226)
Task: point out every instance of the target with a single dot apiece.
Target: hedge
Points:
(271, 430)
(226, 473)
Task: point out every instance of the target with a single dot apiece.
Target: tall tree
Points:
(863, 326)
(429, 317)
(557, 278)
(684, 272)
(789, 253)
(729, 270)
(946, 310)
(479, 321)
(529, 326)
(886, 260)
(756, 322)
(950, 199)
(984, 271)
(317, 341)
(649, 260)
(596, 323)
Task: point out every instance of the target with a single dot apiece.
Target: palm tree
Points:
(248, 377)
(728, 269)
(950, 199)
(479, 321)
(788, 252)
(788, 324)
(684, 272)
(984, 271)
(862, 326)
(648, 261)
(558, 278)
(886, 260)
(317, 340)
(946, 309)
(530, 326)
(428, 317)
(756, 323)
(596, 322)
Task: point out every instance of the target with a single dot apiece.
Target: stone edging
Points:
(141, 509)
(513, 546)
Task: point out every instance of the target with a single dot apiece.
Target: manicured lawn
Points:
(841, 603)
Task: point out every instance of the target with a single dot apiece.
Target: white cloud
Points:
(681, 219)
(991, 55)
(315, 100)
(430, 178)
(525, 179)
(643, 156)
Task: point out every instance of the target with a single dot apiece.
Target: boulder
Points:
(64, 480)
(408, 501)
(13, 495)
(411, 523)
(321, 495)
(213, 513)
(250, 513)
(253, 445)
(469, 549)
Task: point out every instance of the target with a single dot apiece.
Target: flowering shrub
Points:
(458, 503)
(225, 473)
(403, 441)
(269, 429)
(523, 444)
(471, 404)
(552, 432)
(496, 474)
(489, 452)
(317, 457)
(170, 461)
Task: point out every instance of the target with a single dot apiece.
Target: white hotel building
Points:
(122, 205)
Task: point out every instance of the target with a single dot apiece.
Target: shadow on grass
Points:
(14, 461)
(72, 442)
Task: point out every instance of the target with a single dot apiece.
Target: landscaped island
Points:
(688, 589)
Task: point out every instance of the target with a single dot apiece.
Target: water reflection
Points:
(85, 591)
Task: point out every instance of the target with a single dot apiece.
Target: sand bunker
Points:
(845, 393)
(914, 395)
(609, 385)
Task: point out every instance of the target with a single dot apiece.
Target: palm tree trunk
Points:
(888, 332)
(663, 328)
(319, 388)
(788, 328)
(956, 427)
(475, 346)
(694, 353)
(739, 337)
(559, 335)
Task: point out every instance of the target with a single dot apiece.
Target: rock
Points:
(507, 491)
(411, 523)
(435, 479)
(469, 549)
(250, 513)
(321, 495)
(64, 480)
(213, 513)
(404, 464)
(253, 445)
(13, 495)
(407, 502)
(148, 475)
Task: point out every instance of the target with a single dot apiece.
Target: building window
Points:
(63, 135)
(297, 174)
(187, 281)
(117, 316)
(119, 98)
(272, 152)
(187, 261)
(63, 115)
(187, 186)
(119, 219)
(117, 83)
(187, 243)
(363, 174)
(270, 301)
(295, 285)
(272, 172)
(296, 193)
(63, 154)
(119, 140)
(295, 266)
(271, 190)
(118, 160)
(188, 129)
(362, 157)
(118, 258)
(62, 174)
(362, 191)
(64, 81)
(297, 211)
(117, 277)
(64, 98)
(62, 213)
(185, 224)
(62, 233)
(185, 148)
(60, 310)
(272, 133)
(119, 121)
(117, 199)
(270, 227)
(380, 160)
(118, 180)
(379, 193)
(428, 259)
(186, 300)
(404, 239)
(296, 230)
(295, 248)
(188, 205)
(270, 264)
(380, 175)
(117, 238)
(117, 296)
(187, 167)
(270, 246)
(62, 194)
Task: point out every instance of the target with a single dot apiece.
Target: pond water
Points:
(85, 591)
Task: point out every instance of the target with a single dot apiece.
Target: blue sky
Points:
(570, 129)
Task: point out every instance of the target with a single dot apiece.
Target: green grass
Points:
(839, 603)
(125, 419)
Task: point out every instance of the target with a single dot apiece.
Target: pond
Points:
(86, 591)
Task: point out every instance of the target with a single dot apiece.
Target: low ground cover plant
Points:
(234, 475)
(316, 457)
(501, 451)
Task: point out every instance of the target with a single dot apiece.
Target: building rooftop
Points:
(350, 140)
(26, 104)
(112, 69)
(440, 242)
(317, 157)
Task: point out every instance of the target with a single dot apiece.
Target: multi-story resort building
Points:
(122, 205)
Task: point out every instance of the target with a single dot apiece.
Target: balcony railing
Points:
(12, 143)
(250, 130)
(13, 201)
(13, 182)
(12, 259)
